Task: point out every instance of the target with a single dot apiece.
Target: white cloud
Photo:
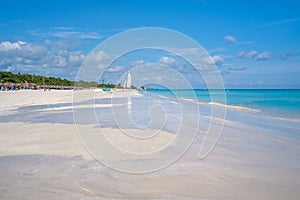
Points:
(9, 46)
(48, 42)
(38, 58)
(75, 57)
(137, 62)
(21, 51)
(75, 34)
(115, 69)
(66, 32)
(230, 39)
(98, 56)
(286, 21)
(63, 28)
(60, 61)
(232, 69)
(253, 54)
(247, 42)
(167, 60)
(216, 50)
(250, 55)
(233, 40)
(240, 54)
(98, 62)
(216, 59)
(237, 68)
(264, 56)
(63, 44)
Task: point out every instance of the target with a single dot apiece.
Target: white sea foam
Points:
(240, 108)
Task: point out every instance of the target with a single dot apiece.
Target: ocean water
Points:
(273, 102)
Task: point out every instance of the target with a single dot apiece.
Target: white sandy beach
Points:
(42, 157)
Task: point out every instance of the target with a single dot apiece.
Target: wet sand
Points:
(42, 157)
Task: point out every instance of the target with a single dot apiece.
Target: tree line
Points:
(8, 77)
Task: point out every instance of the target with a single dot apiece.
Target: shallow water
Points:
(273, 102)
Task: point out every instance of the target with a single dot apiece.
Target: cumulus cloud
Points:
(216, 59)
(264, 56)
(167, 60)
(251, 54)
(26, 57)
(11, 46)
(230, 39)
(98, 56)
(254, 55)
(21, 52)
(75, 57)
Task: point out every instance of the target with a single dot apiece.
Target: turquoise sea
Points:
(281, 103)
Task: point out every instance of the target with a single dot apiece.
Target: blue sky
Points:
(255, 44)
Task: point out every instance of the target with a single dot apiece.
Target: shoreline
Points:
(99, 94)
(41, 152)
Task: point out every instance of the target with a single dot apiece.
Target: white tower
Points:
(127, 83)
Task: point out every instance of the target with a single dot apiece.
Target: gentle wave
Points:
(240, 100)
(240, 108)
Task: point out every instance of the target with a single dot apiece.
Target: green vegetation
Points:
(8, 77)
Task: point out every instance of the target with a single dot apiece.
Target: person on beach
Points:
(26, 84)
(7, 87)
